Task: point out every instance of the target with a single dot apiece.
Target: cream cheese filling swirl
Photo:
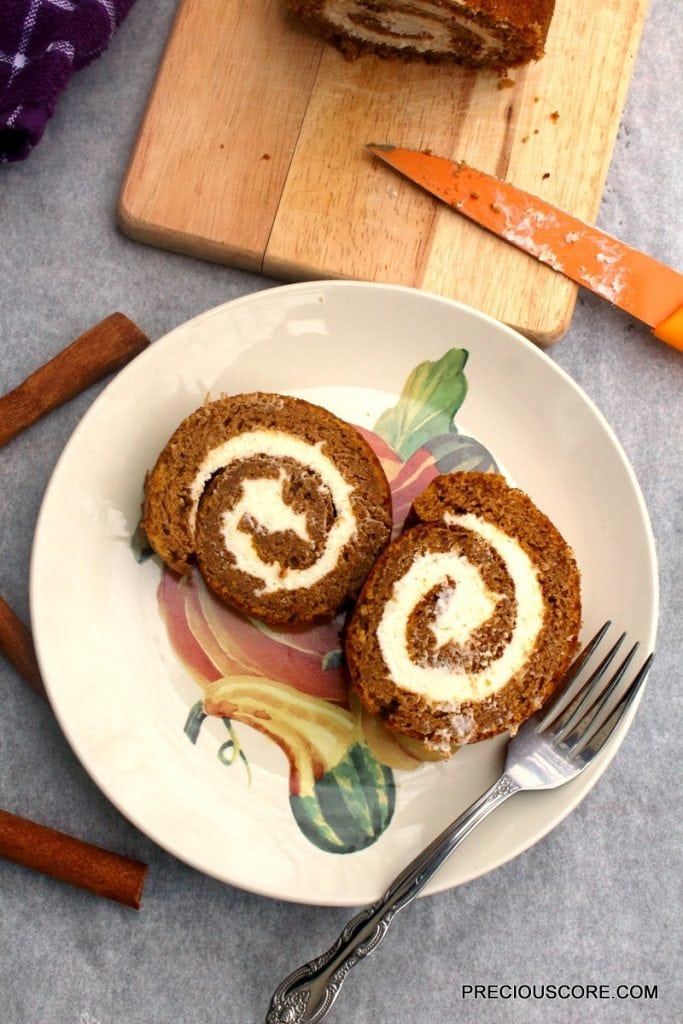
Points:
(465, 602)
(262, 501)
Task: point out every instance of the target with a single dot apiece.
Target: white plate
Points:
(121, 693)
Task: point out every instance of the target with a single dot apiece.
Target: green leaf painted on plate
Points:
(193, 724)
(457, 453)
(333, 659)
(142, 549)
(431, 395)
(229, 751)
(351, 804)
(232, 748)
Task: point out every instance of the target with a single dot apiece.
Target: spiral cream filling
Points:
(429, 30)
(262, 501)
(464, 603)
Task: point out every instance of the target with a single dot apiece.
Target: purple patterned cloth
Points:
(42, 43)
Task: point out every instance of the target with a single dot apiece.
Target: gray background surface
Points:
(597, 901)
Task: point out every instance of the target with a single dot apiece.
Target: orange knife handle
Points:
(671, 329)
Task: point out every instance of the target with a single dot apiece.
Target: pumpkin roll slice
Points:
(283, 506)
(470, 619)
(475, 33)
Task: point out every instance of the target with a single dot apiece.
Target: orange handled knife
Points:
(642, 286)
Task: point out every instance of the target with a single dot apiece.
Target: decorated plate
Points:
(292, 792)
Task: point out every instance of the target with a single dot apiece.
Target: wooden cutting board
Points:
(251, 153)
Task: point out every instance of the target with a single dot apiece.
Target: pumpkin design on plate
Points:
(290, 683)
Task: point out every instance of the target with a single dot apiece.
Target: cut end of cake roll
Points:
(469, 619)
(495, 34)
(283, 506)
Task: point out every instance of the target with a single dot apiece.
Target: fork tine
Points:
(601, 731)
(594, 694)
(568, 692)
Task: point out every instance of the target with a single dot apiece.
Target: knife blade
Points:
(642, 286)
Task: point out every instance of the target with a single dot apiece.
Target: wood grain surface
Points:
(252, 153)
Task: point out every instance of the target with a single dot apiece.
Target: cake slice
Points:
(477, 33)
(283, 506)
(469, 619)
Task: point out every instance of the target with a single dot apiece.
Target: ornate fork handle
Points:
(307, 994)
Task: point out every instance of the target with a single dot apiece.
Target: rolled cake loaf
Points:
(476, 33)
(284, 506)
(468, 620)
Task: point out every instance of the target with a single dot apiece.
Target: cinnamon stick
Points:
(106, 347)
(16, 643)
(72, 860)
(44, 849)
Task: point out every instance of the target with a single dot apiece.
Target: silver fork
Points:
(551, 748)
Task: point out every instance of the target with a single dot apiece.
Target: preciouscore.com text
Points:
(543, 991)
